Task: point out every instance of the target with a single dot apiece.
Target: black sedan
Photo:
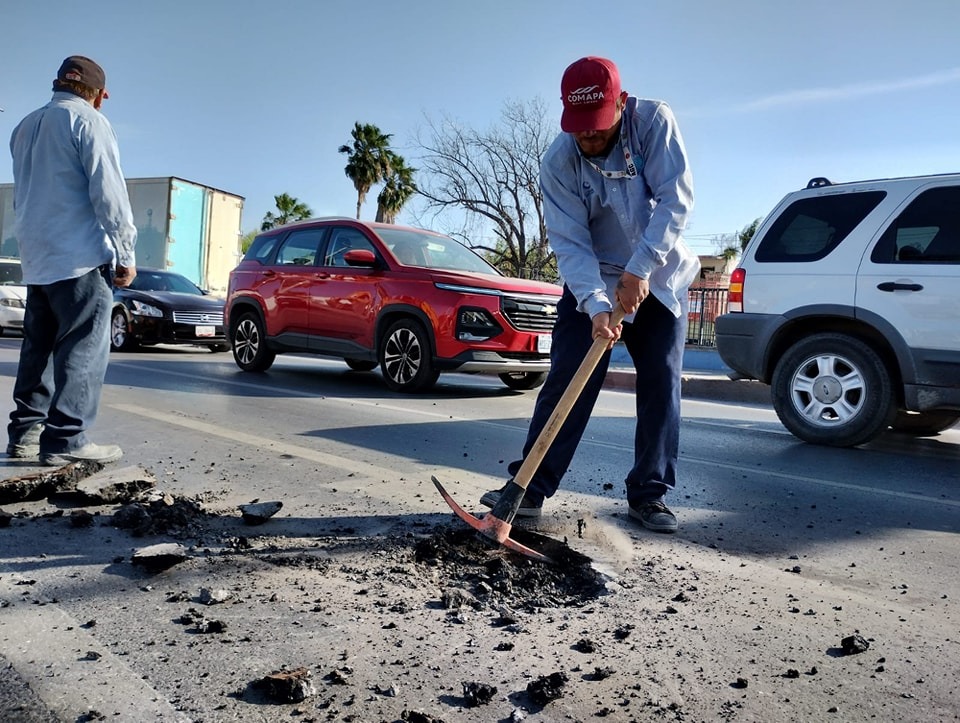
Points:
(161, 307)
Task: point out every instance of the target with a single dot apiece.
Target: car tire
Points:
(833, 389)
(405, 357)
(923, 424)
(361, 365)
(522, 381)
(120, 337)
(249, 342)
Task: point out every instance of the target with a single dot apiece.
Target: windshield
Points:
(10, 274)
(147, 280)
(431, 251)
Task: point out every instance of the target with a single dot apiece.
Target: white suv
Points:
(847, 302)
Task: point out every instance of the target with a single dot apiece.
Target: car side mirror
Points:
(360, 257)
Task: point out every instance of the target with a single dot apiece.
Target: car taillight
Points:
(735, 292)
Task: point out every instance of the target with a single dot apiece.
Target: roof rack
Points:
(819, 182)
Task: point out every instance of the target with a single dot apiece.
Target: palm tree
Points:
(290, 210)
(367, 159)
(397, 189)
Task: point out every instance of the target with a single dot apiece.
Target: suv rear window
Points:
(262, 248)
(811, 228)
(927, 232)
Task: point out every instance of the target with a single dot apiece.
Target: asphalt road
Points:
(878, 522)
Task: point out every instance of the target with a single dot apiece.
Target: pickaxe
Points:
(497, 523)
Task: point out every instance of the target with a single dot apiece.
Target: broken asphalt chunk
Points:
(853, 644)
(477, 694)
(133, 517)
(116, 485)
(80, 518)
(259, 512)
(157, 558)
(41, 485)
(212, 597)
(416, 716)
(288, 686)
(547, 688)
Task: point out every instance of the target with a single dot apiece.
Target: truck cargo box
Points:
(182, 226)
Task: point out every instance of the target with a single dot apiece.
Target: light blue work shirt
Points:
(598, 227)
(70, 199)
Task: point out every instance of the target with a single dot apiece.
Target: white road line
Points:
(258, 441)
(48, 647)
(364, 468)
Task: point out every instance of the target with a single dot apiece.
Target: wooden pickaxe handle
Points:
(570, 395)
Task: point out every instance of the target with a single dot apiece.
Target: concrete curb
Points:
(706, 386)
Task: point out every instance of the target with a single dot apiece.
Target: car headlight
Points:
(14, 303)
(141, 309)
(476, 325)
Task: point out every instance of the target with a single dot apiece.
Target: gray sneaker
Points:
(655, 516)
(89, 452)
(527, 508)
(29, 444)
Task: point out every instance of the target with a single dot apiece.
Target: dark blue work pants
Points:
(655, 341)
(63, 360)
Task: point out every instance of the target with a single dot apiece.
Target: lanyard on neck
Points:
(631, 171)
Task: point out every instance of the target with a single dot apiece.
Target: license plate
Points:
(205, 330)
(543, 343)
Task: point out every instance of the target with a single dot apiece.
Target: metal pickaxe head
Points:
(490, 525)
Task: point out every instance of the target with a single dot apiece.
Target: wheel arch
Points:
(241, 306)
(121, 307)
(801, 327)
(394, 313)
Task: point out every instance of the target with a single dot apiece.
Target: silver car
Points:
(13, 296)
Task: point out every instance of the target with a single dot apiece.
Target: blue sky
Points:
(254, 98)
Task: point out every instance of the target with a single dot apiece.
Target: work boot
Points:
(29, 444)
(89, 452)
(529, 505)
(654, 515)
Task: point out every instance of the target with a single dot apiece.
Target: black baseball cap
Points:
(82, 70)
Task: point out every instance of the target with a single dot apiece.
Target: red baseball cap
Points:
(81, 69)
(590, 89)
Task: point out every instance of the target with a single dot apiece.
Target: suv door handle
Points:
(895, 286)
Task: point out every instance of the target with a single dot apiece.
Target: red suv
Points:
(414, 302)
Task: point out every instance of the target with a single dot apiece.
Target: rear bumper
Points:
(743, 342)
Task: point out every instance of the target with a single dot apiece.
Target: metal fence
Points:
(706, 304)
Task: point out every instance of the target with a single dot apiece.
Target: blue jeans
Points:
(655, 341)
(63, 360)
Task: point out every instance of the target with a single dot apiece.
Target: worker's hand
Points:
(603, 330)
(631, 291)
(124, 276)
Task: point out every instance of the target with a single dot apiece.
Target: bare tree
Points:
(494, 177)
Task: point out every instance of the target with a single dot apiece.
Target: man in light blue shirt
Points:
(617, 193)
(75, 231)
